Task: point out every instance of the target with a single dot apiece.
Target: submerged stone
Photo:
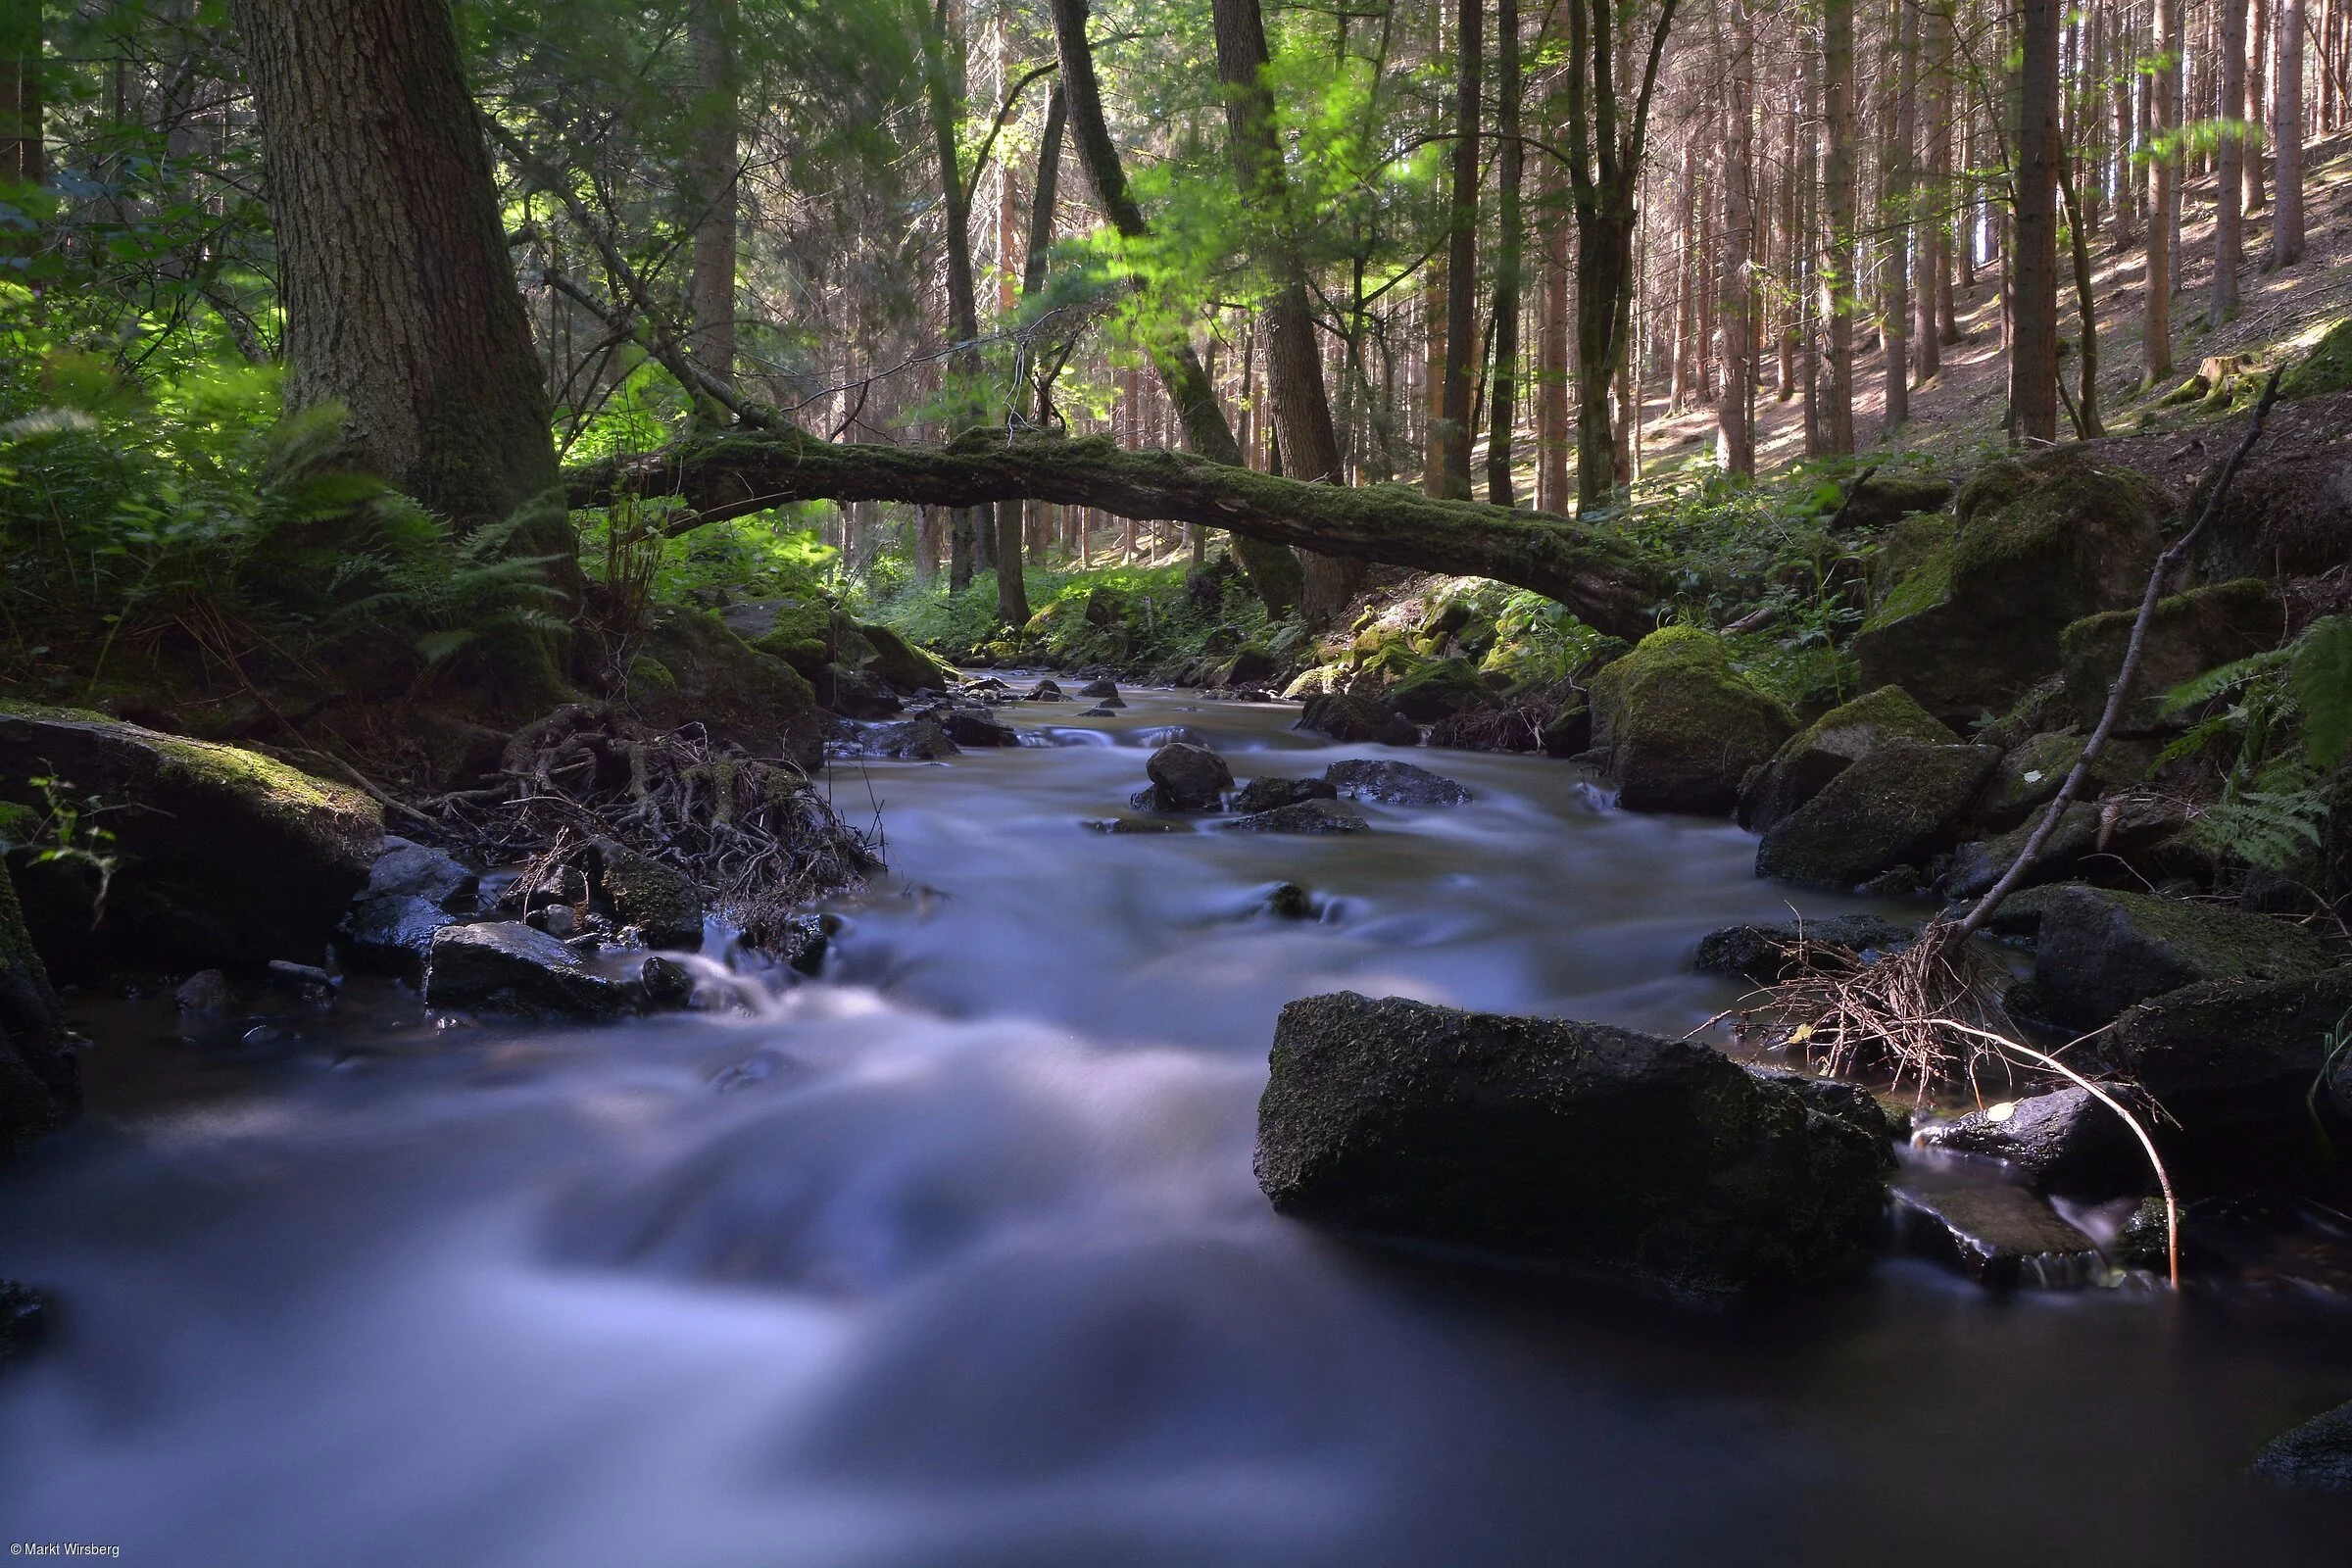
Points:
(2000, 1235)
(2315, 1456)
(1766, 954)
(1392, 783)
(1304, 816)
(2064, 1142)
(1269, 791)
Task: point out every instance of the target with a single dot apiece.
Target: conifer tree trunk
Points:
(1934, 237)
(2229, 194)
(1836, 270)
(20, 117)
(1895, 261)
(2258, 50)
(403, 306)
(1552, 423)
(710, 189)
(1735, 443)
(2164, 198)
(2286, 138)
(1461, 254)
(1512, 161)
(2033, 267)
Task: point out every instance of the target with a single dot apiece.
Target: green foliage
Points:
(2286, 723)
(767, 554)
(2321, 677)
(1131, 616)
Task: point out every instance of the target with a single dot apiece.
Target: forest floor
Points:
(1960, 410)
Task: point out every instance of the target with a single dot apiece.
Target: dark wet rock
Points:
(207, 991)
(1304, 816)
(2000, 1236)
(663, 902)
(1100, 688)
(2100, 951)
(915, 740)
(1681, 728)
(1877, 500)
(2232, 1056)
(1981, 863)
(2064, 1142)
(1766, 954)
(971, 726)
(1100, 711)
(857, 693)
(2315, 1456)
(1266, 793)
(225, 857)
(1246, 667)
(1348, 717)
(988, 686)
(1850, 1103)
(1440, 689)
(2144, 1239)
(2191, 633)
(395, 931)
(1287, 901)
(24, 1317)
(40, 1078)
(504, 966)
(1581, 1145)
(1885, 811)
(1137, 824)
(408, 869)
(907, 667)
(667, 983)
(2029, 776)
(701, 673)
(1398, 730)
(2030, 548)
(1569, 731)
(1189, 777)
(1392, 783)
(799, 631)
(1826, 748)
(1045, 691)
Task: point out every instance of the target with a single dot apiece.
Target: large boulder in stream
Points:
(2315, 1456)
(2234, 1060)
(508, 967)
(1972, 619)
(2064, 1142)
(1681, 725)
(41, 1079)
(2101, 949)
(692, 670)
(224, 857)
(1591, 1148)
(1832, 743)
(1889, 809)
(1186, 777)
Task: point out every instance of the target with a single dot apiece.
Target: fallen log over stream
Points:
(1609, 584)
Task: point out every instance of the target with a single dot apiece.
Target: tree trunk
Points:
(1436, 311)
(2286, 137)
(2034, 265)
(2258, 50)
(2229, 193)
(1274, 573)
(1894, 275)
(1510, 156)
(1608, 584)
(1461, 254)
(710, 181)
(1311, 442)
(1735, 437)
(2164, 199)
(2087, 306)
(1836, 270)
(1935, 237)
(402, 307)
(21, 95)
(1552, 416)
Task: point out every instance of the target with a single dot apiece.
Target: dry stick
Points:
(2165, 564)
(2172, 1211)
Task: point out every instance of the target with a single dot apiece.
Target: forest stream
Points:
(954, 1257)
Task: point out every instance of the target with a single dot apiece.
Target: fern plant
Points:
(2288, 718)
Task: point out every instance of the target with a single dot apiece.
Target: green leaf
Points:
(2321, 677)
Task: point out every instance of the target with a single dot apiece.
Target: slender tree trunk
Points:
(1935, 235)
(710, 189)
(2286, 138)
(1794, 244)
(1809, 289)
(1735, 436)
(1895, 261)
(2258, 54)
(1462, 253)
(2087, 306)
(1552, 423)
(2033, 360)
(944, 85)
(1836, 270)
(403, 306)
(2228, 195)
(2164, 199)
(1510, 156)
(20, 159)
(1437, 310)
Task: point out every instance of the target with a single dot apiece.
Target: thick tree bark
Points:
(402, 307)
(1274, 573)
(1461, 254)
(2286, 138)
(1836, 270)
(1608, 584)
(2164, 198)
(2229, 194)
(710, 189)
(2033, 360)
(1310, 443)
(1510, 240)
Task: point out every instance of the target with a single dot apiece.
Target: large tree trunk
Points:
(1507, 248)
(710, 189)
(2229, 193)
(1837, 271)
(2286, 138)
(1461, 254)
(401, 307)
(1608, 584)
(1310, 443)
(1274, 573)
(2033, 360)
(2164, 199)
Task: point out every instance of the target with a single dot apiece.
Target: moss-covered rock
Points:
(2228, 1056)
(2033, 547)
(40, 1078)
(2327, 368)
(739, 695)
(799, 631)
(902, 664)
(1889, 809)
(1885, 497)
(224, 857)
(1440, 689)
(1579, 1145)
(2100, 951)
(2191, 633)
(1816, 753)
(1681, 725)
(661, 900)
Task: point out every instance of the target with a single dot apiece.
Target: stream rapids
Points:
(953, 1259)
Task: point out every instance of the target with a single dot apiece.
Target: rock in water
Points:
(663, 902)
(2000, 1235)
(40, 1077)
(1826, 748)
(1440, 689)
(1348, 717)
(1681, 726)
(2065, 1142)
(2101, 951)
(2315, 1456)
(973, 726)
(1304, 816)
(24, 1319)
(1766, 954)
(2233, 1057)
(1189, 777)
(1393, 784)
(1101, 689)
(408, 869)
(225, 857)
(1581, 1145)
(1885, 811)
(506, 967)
(1270, 791)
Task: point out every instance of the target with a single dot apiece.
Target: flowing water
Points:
(955, 1258)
